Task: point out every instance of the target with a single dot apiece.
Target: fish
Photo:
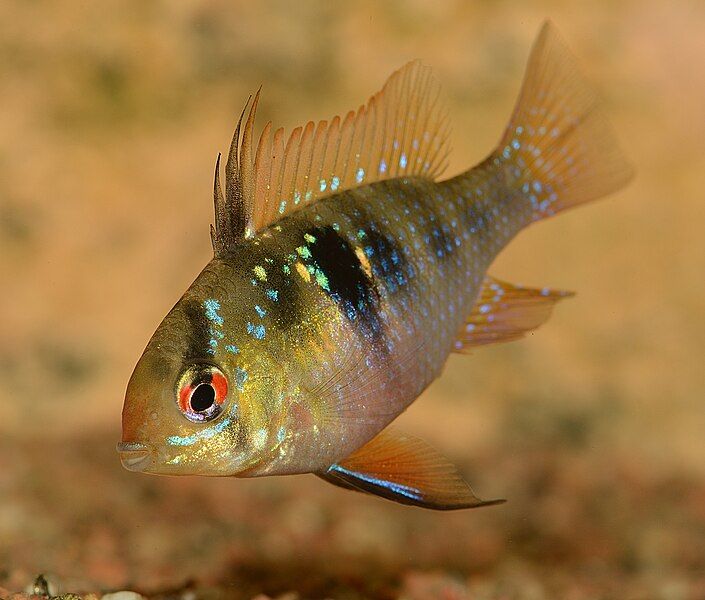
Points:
(345, 271)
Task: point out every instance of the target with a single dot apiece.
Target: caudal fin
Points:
(559, 150)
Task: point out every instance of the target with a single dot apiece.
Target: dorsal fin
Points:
(233, 212)
(402, 130)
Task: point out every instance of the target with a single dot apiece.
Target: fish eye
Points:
(202, 392)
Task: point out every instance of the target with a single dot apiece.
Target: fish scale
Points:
(345, 273)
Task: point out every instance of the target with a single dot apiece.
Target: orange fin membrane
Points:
(559, 150)
(406, 470)
(505, 312)
(402, 131)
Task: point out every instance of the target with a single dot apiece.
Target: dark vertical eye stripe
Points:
(348, 284)
(197, 329)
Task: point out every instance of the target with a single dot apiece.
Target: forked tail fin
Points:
(559, 150)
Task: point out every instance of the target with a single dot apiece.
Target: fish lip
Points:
(135, 456)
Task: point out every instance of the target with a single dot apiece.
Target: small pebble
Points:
(124, 595)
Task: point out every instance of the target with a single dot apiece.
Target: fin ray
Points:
(559, 150)
(406, 470)
(399, 132)
(504, 312)
(355, 393)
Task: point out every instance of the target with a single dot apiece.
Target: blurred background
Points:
(111, 115)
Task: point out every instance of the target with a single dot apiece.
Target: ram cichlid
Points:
(345, 273)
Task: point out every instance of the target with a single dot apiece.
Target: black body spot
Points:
(347, 283)
(387, 259)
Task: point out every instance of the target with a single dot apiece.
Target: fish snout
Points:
(135, 456)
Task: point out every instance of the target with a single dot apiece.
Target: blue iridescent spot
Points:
(321, 279)
(260, 311)
(256, 331)
(240, 378)
(382, 167)
(212, 307)
(360, 175)
(402, 161)
(323, 185)
(232, 349)
(397, 488)
(204, 434)
(272, 295)
(334, 183)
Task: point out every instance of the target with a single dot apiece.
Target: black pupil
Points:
(202, 397)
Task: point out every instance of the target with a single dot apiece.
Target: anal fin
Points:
(406, 470)
(505, 312)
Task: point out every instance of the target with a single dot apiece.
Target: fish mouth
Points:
(135, 456)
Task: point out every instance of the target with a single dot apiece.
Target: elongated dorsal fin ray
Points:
(247, 180)
(233, 213)
(505, 312)
(406, 470)
(218, 205)
(402, 131)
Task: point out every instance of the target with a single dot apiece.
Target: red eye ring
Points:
(202, 391)
(220, 385)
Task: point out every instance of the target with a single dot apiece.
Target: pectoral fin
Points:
(407, 470)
